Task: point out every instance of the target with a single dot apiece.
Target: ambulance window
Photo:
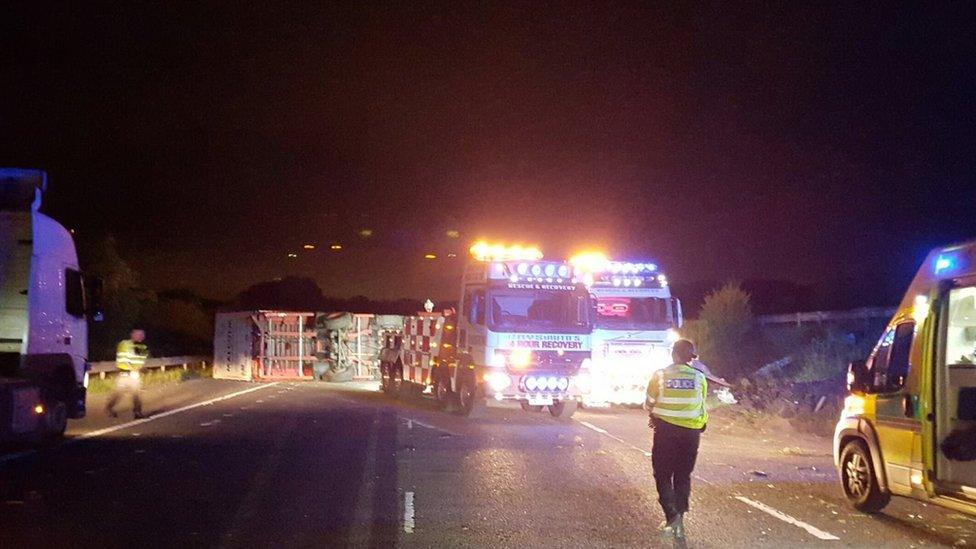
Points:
(961, 329)
(898, 362)
(879, 364)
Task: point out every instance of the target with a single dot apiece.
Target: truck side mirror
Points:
(857, 377)
(676, 312)
(95, 288)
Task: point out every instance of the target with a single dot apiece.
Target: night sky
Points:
(822, 145)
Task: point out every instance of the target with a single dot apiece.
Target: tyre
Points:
(55, 420)
(442, 393)
(529, 407)
(471, 400)
(564, 409)
(385, 377)
(858, 479)
(396, 381)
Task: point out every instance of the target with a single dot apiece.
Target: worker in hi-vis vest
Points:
(130, 357)
(676, 400)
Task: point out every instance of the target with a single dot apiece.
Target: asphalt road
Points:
(308, 464)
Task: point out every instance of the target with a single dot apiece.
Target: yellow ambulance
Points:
(909, 423)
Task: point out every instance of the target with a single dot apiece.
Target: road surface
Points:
(227, 464)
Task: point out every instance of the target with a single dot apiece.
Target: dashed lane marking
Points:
(161, 415)
(408, 523)
(411, 422)
(812, 530)
(605, 433)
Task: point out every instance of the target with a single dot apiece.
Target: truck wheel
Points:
(443, 394)
(529, 407)
(55, 419)
(564, 409)
(385, 377)
(396, 382)
(471, 400)
(859, 480)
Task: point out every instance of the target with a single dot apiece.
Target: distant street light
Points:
(292, 255)
(366, 233)
(430, 256)
(335, 247)
(453, 234)
(309, 246)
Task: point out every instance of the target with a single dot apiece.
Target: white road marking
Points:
(408, 512)
(605, 433)
(647, 453)
(112, 429)
(812, 530)
(161, 415)
(411, 422)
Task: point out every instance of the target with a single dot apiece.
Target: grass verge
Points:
(152, 377)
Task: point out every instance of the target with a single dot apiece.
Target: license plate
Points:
(540, 400)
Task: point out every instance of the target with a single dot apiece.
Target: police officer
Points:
(130, 357)
(676, 400)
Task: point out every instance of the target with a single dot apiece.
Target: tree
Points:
(723, 331)
(122, 301)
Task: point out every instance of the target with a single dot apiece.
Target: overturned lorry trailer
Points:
(348, 344)
(264, 345)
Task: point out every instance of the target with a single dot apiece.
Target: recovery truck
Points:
(636, 324)
(522, 333)
(44, 309)
(908, 427)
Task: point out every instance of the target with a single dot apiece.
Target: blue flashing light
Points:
(944, 263)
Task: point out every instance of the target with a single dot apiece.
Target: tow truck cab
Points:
(523, 334)
(635, 325)
(44, 309)
(908, 427)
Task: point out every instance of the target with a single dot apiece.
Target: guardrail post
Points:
(184, 366)
(162, 367)
(101, 375)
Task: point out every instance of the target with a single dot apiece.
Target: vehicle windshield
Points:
(633, 313)
(539, 311)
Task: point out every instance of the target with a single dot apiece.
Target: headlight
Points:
(498, 359)
(673, 335)
(586, 364)
(498, 381)
(520, 358)
(563, 384)
(530, 383)
(583, 381)
(553, 383)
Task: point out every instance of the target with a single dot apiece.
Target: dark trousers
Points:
(673, 458)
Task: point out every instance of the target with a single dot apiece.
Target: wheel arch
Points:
(862, 430)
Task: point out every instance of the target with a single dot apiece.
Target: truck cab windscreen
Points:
(539, 311)
(633, 313)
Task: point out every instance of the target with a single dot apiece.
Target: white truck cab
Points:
(44, 313)
(636, 324)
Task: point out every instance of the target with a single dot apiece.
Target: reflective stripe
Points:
(696, 401)
(676, 413)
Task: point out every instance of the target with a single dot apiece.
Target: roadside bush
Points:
(827, 356)
(725, 332)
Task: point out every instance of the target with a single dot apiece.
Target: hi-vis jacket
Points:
(130, 355)
(676, 395)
